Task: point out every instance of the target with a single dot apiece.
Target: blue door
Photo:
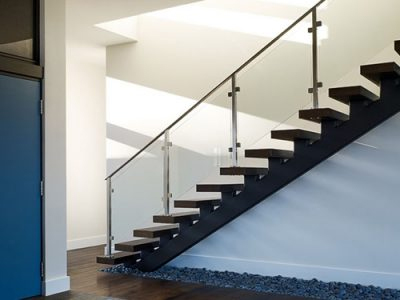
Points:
(20, 200)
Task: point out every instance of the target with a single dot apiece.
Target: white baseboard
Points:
(86, 242)
(267, 268)
(55, 286)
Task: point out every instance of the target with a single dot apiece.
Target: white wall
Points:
(86, 217)
(55, 172)
(85, 143)
(339, 222)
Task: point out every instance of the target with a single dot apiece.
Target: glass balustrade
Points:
(269, 90)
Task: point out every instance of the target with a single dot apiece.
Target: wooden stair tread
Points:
(137, 245)
(295, 134)
(352, 93)
(246, 171)
(220, 187)
(397, 46)
(177, 217)
(268, 153)
(377, 72)
(156, 231)
(196, 203)
(118, 258)
(322, 114)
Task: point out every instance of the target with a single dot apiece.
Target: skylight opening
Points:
(246, 23)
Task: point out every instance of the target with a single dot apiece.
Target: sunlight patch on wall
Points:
(144, 110)
(206, 131)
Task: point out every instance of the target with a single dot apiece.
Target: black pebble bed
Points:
(267, 284)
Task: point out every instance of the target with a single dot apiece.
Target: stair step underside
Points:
(377, 72)
(397, 46)
(222, 188)
(156, 231)
(246, 171)
(268, 153)
(197, 203)
(295, 134)
(319, 115)
(137, 245)
(118, 258)
(177, 218)
(352, 93)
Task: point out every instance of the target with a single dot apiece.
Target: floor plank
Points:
(87, 282)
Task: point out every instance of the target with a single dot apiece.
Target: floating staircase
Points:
(161, 244)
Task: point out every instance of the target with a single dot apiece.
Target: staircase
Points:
(159, 245)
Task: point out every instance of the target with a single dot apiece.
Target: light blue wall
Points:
(338, 222)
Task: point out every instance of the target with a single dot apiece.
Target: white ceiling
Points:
(82, 15)
(109, 22)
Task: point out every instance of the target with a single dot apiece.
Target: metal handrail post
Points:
(166, 173)
(109, 211)
(234, 132)
(316, 83)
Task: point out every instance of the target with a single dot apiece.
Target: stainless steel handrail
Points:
(245, 64)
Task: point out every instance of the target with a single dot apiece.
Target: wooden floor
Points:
(88, 283)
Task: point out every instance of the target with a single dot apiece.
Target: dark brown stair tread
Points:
(321, 114)
(177, 217)
(118, 258)
(397, 46)
(269, 153)
(156, 231)
(196, 203)
(137, 245)
(220, 187)
(247, 171)
(352, 93)
(295, 134)
(376, 72)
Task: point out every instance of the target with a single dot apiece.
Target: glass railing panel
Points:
(273, 88)
(200, 145)
(265, 141)
(137, 190)
(356, 33)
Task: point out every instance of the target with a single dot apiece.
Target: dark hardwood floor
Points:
(87, 282)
